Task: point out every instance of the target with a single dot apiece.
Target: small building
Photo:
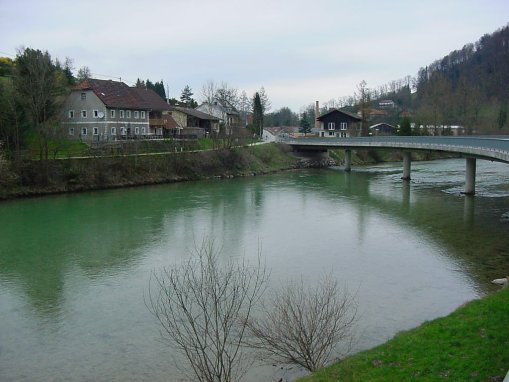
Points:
(386, 103)
(382, 129)
(192, 118)
(227, 114)
(338, 123)
(272, 134)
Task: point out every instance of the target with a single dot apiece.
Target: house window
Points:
(71, 113)
(128, 114)
(71, 130)
(112, 113)
(121, 113)
(113, 131)
(84, 131)
(343, 126)
(96, 113)
(136, 130)
(122, 131)
(143, 130)
(96, 131)
(83, 96)
(83, 114)
(331, 126)
(331, 133)
(136, 114)
(142, 115)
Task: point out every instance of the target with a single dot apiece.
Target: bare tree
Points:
(83, 73)
(305, 325)
(203, 309)
(208, 93)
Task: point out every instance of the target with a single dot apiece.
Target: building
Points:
(338, 123)
(382, 129)
(105, 110)
(387, 103)
(227, 114)
(161, 121)
(188, 118)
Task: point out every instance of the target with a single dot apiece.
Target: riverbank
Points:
(54, 176)
(470, 344)
(32, 178)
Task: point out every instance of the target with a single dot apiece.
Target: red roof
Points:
(152, 99)
(114, 94)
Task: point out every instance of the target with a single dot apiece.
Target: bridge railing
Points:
(495, 143)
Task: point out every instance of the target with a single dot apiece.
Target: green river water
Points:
(74, 269)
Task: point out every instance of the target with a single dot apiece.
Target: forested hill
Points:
(469, 86)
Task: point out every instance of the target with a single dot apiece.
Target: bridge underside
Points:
(490, 149)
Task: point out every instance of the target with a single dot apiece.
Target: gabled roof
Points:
(152, 99)
(339, 111)
(113, 93)
(195, 113)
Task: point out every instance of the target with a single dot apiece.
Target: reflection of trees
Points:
(102, 233)
(105, 232)
(459, 224)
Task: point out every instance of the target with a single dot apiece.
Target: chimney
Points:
(317, 114)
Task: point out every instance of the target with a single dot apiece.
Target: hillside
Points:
(467, 87)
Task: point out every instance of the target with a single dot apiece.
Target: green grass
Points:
(471, 344)
(57, 148)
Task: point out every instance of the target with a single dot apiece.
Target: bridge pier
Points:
(407, 160)
(348, 160)
(470, 177)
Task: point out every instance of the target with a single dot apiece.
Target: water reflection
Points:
(73, 268)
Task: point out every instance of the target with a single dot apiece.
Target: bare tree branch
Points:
(304, 325)
(203, 307)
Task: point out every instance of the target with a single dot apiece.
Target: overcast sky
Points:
(300, 51)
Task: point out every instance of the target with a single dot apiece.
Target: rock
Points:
(502, 281)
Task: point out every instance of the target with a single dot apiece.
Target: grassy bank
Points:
(32, 177)
(471, 344)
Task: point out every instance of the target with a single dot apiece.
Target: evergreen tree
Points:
(404, 127)
(305, 126)
(140, 84)
(186, 98)
(159, 89)
(257, 114)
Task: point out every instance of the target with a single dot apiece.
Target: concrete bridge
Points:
(494, 148)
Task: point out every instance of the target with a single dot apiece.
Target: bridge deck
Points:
(485, 147)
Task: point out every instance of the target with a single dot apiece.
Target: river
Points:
(74, 269)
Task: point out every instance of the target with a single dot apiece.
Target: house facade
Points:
(382, 129)
(161, 121)
(105, 110)
(338, 124)
(227, 114)
(194, 119)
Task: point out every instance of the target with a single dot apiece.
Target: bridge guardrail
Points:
(494, 147)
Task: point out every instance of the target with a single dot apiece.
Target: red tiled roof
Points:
(114, 94)
(152, 99)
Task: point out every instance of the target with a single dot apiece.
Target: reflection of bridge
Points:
(491, 148)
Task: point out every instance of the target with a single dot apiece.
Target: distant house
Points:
(382, 129)
(272, 134)
(105, 110)
(227, 114)
(338, 123)
(387, 103)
